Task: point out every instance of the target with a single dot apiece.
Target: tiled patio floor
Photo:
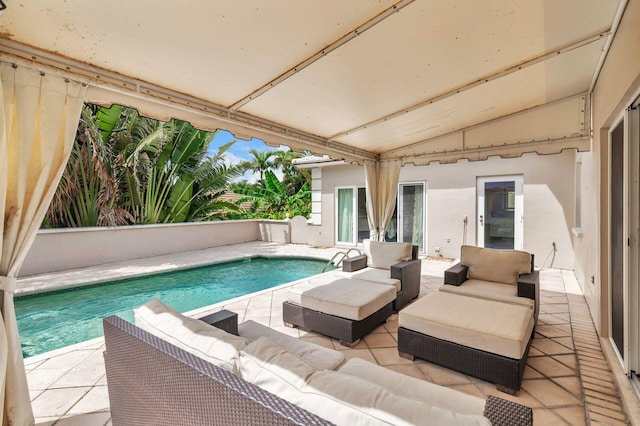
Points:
(567, 380)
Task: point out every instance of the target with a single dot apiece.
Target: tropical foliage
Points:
(128, 169)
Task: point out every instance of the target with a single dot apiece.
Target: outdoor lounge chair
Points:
(502, 275)
(388, 263)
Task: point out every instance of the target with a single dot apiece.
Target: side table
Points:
(224, 320)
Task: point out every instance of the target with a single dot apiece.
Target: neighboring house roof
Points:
(233, 198)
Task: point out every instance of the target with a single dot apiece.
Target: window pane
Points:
(345, 215)
(363, 223)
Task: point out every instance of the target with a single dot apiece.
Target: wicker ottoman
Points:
(342, 308)
(483, 338)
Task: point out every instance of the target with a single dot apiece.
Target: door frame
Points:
(518, 214)
(400, 212)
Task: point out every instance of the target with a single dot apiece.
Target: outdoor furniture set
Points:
(169, 369)
(350, 303)
(482, 320)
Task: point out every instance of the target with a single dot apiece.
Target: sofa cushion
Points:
(382, 255)
(410, 387)
(316, 356)
(270, 366)
(346, 298)
(502, 266)
(338, 398)
(380, 276)
(489, 290)
(194, 336)
(494, 327)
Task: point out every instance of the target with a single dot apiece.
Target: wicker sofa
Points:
(153, 381)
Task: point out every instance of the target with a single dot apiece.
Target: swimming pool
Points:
(53, 320)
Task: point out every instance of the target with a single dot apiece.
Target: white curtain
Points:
(39, 116)
(382, 190)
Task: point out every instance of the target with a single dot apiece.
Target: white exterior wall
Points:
(451, 194)
(62, 249)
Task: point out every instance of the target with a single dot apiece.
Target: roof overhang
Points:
(413, 79)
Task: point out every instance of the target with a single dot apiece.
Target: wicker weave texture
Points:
(502, 371)
(344, 329)
(152, 382)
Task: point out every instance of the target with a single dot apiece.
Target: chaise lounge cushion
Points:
(336, 397)
(376, 275)
(489, 290)
(346, 298)
(495, 327)
(501, 266)
(382, 255)
(197, 337)
(316, 356)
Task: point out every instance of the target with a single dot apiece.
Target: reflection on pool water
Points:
(53, 320)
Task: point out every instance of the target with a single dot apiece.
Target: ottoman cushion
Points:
(347, 298)
(494, 327)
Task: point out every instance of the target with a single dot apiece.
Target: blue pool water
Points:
(52, 320)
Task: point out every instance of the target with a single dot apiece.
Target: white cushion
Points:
(381, 276)
(489, 290)
(316, 356)
(344, 399)
(197, 337)
(382, 255)
(339, 398)
(495, 327)
(410, 387)
(268, 365)
(501, 266)
(346, 298)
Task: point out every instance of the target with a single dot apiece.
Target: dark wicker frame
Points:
(150, 381)
(505, 372)
(344, 329)
(408, 272)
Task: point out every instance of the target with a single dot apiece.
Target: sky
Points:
(239, 151)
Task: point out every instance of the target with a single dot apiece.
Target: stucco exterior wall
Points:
(615, 89)
(451, 195)
(61, 249)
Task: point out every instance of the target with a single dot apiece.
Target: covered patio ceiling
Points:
(420, 80)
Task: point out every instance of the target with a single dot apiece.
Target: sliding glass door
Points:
(351, 215)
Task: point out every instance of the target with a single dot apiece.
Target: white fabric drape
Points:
(38, 119)
(382, 189)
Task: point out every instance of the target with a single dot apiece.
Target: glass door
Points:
(411, 215)
(346, 215)
(500, 212)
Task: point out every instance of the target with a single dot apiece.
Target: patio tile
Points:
(388, 356)
(96, 400)
(545, 417)
(549, 393)
(570, 384)
(523, 397)
(319, 340)
(411, 370)
(568, 360)
(443, 376)
(606, 416)
(470, 389)
(359, 353)
(550, 367)
(340, 347)
(550, 347)
(42, 378)
(97, 419)
(56, 402)
(559, 330)
(572, 415)
(380, 340)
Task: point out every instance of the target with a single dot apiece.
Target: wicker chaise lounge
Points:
(151, 381)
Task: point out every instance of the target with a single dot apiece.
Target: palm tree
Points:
(260, 162)
(293, 178)
(129, 169)
(274, 201)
